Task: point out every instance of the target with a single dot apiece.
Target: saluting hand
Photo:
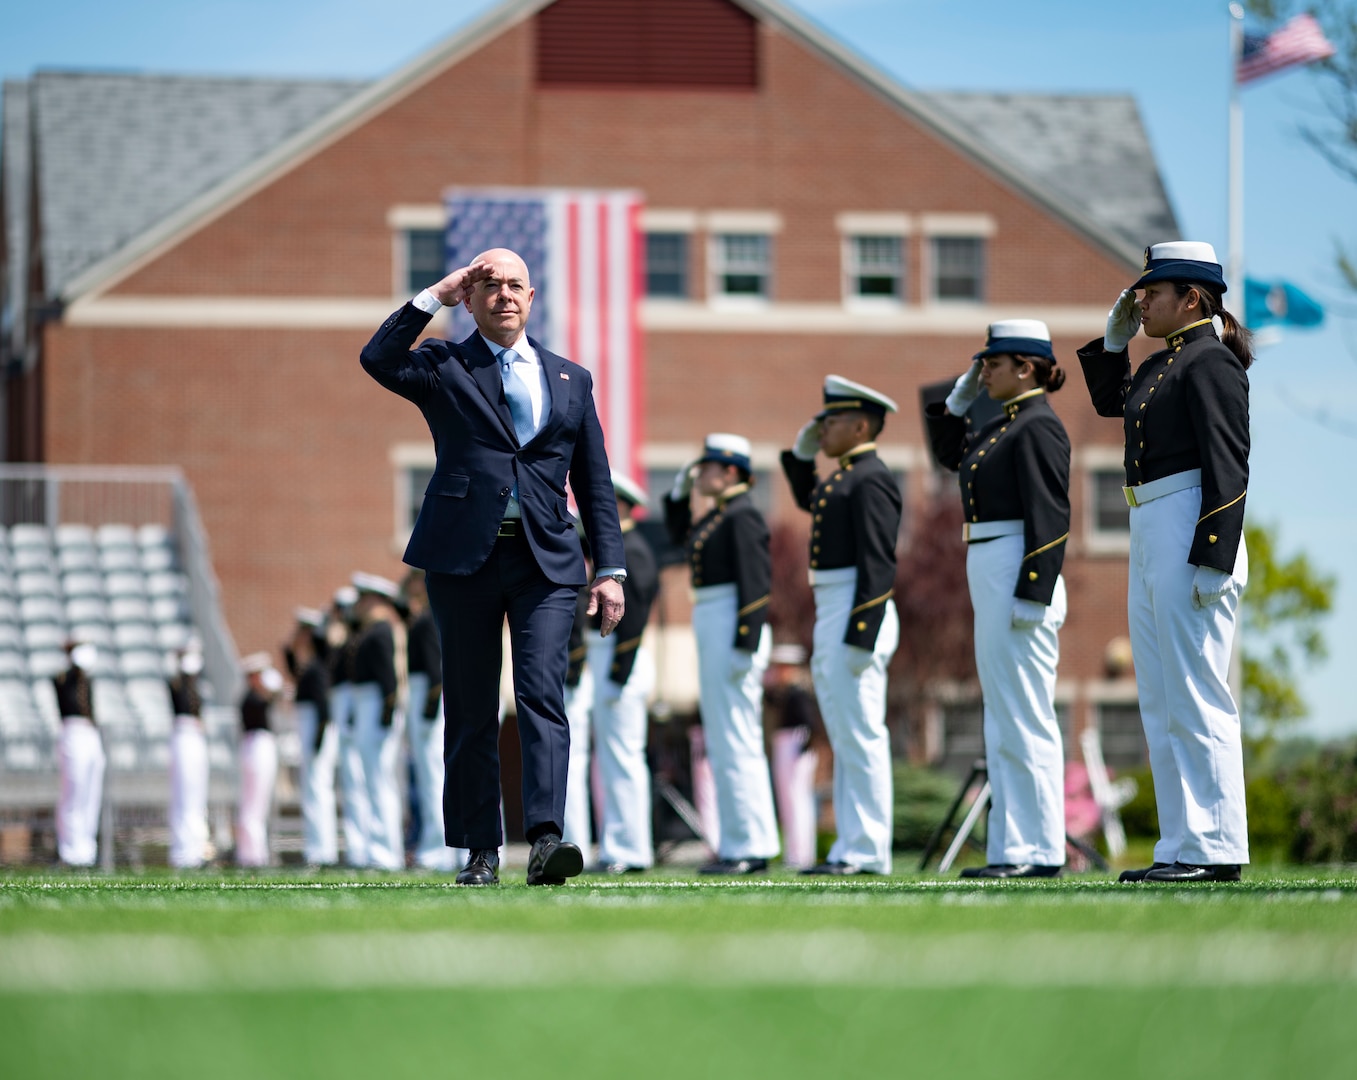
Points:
(807, 441)
(605, 594)
(457, 286)
(1123, 321)
(965, 390)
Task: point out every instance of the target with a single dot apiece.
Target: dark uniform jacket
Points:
(1186, 407)
(313, 685)
(341, 660)
(638, 593)
(426, 659)
(578, 651)
(1015, 468)
(728, 545)
(74, 697)
(375, 662)
(855, 521)
(185, 697)
(254, 711)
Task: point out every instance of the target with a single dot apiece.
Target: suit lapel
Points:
(558, 388)
(480, 362)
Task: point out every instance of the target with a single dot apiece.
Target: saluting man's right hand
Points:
(807, 441)
(683, 483)
(1123, 321)
(457, 286)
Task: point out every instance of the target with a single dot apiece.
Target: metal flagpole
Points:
(1234, 270)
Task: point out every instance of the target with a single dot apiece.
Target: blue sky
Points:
(1171, 54)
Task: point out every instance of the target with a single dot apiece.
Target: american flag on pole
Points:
(1300, 41)
(582, 250)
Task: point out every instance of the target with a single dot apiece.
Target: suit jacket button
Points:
(504, 491)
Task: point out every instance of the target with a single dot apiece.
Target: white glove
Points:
(859, 659)
(1209, 585)
(741, 660)
(966, 390)
(807, 441)
(683, 483)
(1123, 321)
(1028, 614)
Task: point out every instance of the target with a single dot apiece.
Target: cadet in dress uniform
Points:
(424, 726)
(188, 763)
(1015, 475)
(624, 677)
(80, 760)
(731, 574)
(1186, 418)
(306, 660)
(258, 760)
(342, 635)
(855, 521)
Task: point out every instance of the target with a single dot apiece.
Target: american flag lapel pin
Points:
(565, 376)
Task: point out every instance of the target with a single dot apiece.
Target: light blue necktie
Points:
(520, 400)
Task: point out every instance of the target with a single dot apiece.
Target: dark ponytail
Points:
(1237, 338)
(1047, 373)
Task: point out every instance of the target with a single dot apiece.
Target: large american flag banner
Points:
(1300, 41)
(583, 254)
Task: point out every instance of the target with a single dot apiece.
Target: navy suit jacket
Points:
(458, 388)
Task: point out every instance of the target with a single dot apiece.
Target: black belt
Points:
(510, 527)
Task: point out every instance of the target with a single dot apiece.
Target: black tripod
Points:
(967, 826)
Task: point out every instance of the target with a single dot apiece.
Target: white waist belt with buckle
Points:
(972, 531)
(837, 576)
(1165, 485)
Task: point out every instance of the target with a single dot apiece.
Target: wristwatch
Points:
(619, 577)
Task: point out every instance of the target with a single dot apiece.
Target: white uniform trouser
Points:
(1024, 754)
(620, 725)
(794, 781)
(320, 829)
(426, 754)
(579, 701)
(379, 747)
(258, 771)
(732, 722)
(1182, 659)
(357, 811)
(188, 793)
(854, 710)
(80, 757)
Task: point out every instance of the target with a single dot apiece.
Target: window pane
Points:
(424, 258)
(740, 264)
(418, 479)
(667, 264)
(958, 268)
(745, 252)
(1110, 512)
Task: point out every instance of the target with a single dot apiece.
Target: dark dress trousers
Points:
(476, 578)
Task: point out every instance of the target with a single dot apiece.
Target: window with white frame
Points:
(958, 268)
(666, 256)
(741, 265)
(874, 267)
(1109, 515)
(425, 260)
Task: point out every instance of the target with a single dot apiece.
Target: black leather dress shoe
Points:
(835, 869)
(481, 869)
(1003, 871)
(1139, 875)
(552, 860)
(1183, 872)
(735, 867)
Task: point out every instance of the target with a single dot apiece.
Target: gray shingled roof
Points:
(1091, 149)
(118, 153)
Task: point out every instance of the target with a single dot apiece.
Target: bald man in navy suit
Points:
(511, 422)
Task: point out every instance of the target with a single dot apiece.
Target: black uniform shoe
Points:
(1011, 870)
(1181, 872)
(835, 869)
(481, 869)
(1139, 875)
(552, 860)
(735, 867)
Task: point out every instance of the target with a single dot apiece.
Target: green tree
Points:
(1283, 607)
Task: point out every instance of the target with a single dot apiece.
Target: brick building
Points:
(193, 264)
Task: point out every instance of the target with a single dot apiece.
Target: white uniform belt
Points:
(1165, 485)
(704, 594)
(837, 576)
(972, 531)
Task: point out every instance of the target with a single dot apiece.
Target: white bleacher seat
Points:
(73, 534)
(33, 558)
(173, 635)
(42, 609)
(28, 535)
(150, 700)
(22, 755)
(167, 609)
(40, 636)
(157, 559)
(166, 584)
(77, 558)
(151, 536)
(43, 695)
(46, 663)
(83, 583)
(143, 663)
(114, 536)
(129, 609)
(125, 583)
(86, 609)
(11, 636)
(96, 633)
(12, 665)
(112, 560)
(135, 635)
(9, 610)
(37, 583)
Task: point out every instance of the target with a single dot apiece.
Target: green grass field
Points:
(333, 975)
